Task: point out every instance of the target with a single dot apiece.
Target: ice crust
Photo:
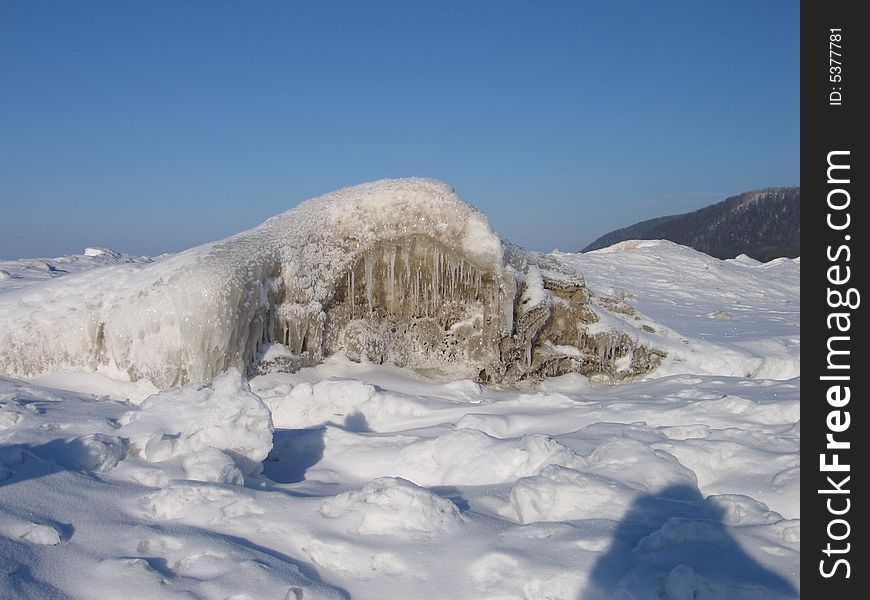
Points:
(400, 271)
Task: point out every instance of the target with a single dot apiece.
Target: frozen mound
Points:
(218, 432)
(400, 271)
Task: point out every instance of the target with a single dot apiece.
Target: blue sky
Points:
(154, 126)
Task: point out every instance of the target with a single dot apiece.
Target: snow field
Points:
(523, 514)
(369, 481)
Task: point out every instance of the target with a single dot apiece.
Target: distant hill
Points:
(763, 224)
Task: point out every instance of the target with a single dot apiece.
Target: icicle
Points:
(436, 261)
(369, 267)
(295, 341)
(441, 278)
(391, 275)
(417, 294)
(352, 290)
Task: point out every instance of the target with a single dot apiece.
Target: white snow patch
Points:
(392, 505)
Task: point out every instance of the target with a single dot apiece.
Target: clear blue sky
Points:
(155, 126)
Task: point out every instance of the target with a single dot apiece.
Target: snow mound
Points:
(308, 405)
(206, 428)
(743, 259)
(600, 487)
(637, 465)
(391, 505)
(561, 494)
(460, 457)
(400, 271)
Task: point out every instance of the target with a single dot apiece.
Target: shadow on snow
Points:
(673, 545)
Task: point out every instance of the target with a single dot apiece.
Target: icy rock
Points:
(391, 505)
(5, 275)
(401, 271)
(224, 416)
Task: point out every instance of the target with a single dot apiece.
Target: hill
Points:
(763, 224)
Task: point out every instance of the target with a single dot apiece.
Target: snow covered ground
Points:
(367, 481)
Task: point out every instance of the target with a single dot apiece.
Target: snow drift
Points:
(400, 271)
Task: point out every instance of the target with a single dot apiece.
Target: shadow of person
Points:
(674, 546)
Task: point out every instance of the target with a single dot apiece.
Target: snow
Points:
(687, 297)
(356, 479)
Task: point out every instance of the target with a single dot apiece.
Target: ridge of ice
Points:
(399, 270)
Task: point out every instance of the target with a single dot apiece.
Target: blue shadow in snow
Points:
(676, 527)
(294, 451)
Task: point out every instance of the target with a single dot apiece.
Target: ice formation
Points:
(400, 271)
